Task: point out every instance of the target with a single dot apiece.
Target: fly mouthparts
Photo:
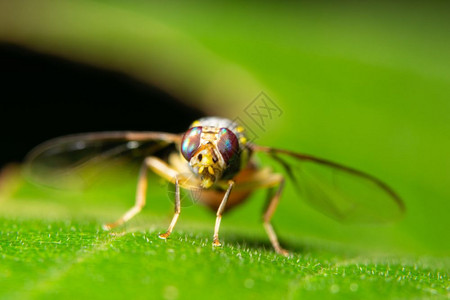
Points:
(201, 169)
(211, 170)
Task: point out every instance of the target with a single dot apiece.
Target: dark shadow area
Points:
(43, 96)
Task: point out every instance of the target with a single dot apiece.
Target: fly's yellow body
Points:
(214, 155)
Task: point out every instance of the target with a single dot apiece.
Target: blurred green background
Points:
(364, 84)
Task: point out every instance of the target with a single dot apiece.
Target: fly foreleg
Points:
(219, 213)
(177, 211)
(160, 168)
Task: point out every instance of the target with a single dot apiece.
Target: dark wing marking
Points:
(70, 162)
(337, 191)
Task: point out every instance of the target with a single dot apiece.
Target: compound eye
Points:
(190, 142)
(227, 144)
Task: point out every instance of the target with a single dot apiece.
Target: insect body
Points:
(215, 155)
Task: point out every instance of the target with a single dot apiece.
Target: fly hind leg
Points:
(264, 178)
(267, 216)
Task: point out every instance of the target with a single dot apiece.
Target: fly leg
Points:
(177, 211)
(264, 178)
(219, 214)
(267, 216)
(160, 168)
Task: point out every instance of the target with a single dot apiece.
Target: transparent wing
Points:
(70, 162)
(337, 191)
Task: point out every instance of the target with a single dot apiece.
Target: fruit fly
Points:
(214, 154)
